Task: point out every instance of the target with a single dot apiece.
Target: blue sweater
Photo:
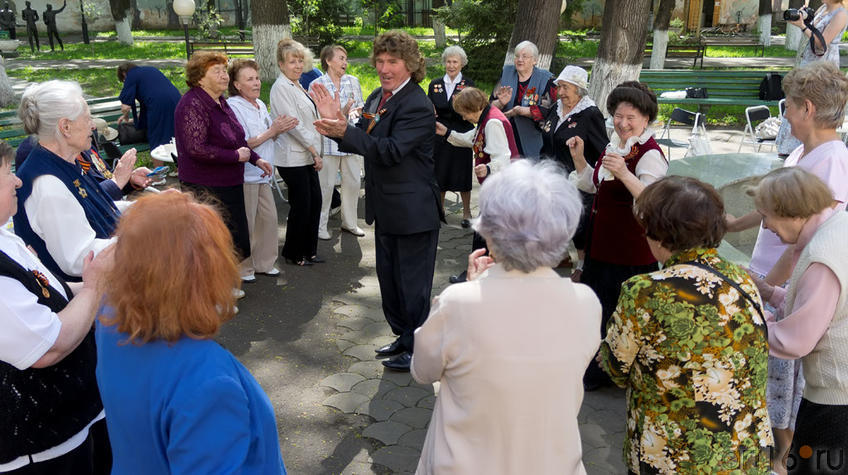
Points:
(185, 407)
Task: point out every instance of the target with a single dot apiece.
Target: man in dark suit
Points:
(395, 135)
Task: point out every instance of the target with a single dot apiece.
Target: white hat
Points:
(574, 75)
(104, 129)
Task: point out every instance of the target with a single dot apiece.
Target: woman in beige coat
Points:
(510, 345)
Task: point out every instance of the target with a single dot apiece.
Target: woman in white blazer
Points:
(297, 155)
(511, 379)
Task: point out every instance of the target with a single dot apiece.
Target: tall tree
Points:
(439, 26)
(661, 21)
(537, 21)
(122, 14)
(764, 24)
(270, 25)
(793, 33)
(624, 29)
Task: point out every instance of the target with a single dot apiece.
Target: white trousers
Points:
(262, 224)
(350, 166)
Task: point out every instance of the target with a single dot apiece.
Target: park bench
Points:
(737, 40)
(724, 87)
(242, 48)
(686, 50)
(106, 108)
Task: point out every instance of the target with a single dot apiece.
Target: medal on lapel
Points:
(438, 88)
(42, 282)
(80, 189)
(530, 97)
(461, 85)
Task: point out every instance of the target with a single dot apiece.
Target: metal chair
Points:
(754, 115)
(781, 107)
(684, 117)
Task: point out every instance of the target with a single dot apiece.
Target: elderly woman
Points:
(297, 156)
(334, 61)
(810, 319)
(815, 106)
(616, 249)
(575, 115)
(525, 93)
(158, 98)
(63, 213)
(510, 384)
(689, 344)
(259, 132)
(50, 401)
(211, 146)
(177, 401)
(453, 164)
(820, 42)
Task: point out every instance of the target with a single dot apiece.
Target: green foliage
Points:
(91, 9)
(315, 18)
(485, 35)
(389, 13)
(676, 23)
(208, 22)
(567, 19)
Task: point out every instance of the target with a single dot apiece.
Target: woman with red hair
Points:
(177, 401)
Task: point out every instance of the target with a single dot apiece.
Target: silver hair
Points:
(527, 46)
(528, 214)
(43, 105)
(455, 51)
(582, 91)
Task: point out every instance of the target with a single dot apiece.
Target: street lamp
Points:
(184, 9)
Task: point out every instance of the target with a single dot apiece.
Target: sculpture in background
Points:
(7, 20)
(30, 16)
(49, 17)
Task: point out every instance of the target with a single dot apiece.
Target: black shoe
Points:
(301, 262)
(455, 279)
(391, 349)
(466, 223)
(315, 260)
(400, 362)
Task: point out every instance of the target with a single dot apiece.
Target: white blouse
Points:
(496, 145)
(650, 168)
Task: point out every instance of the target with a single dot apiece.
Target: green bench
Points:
(106, 108)
(735, 41)
(724, 87)
(695, 51)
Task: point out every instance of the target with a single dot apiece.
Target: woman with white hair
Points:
(62, 211)
(510, 385)
(525, 93)
(453, 164)
(574, 115)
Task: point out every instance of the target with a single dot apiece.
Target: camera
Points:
(794, 14)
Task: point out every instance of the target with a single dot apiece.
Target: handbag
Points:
(128, 134)
(696, 93)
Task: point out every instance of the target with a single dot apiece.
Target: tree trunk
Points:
(7, 94)
(173, 18)
(122, 14)
(793, 33)
(764, 24)
(439, 27)
(661, 22)
(624, 29)
(270, 25)
(537, 22)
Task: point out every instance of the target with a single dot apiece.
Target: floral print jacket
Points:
(693, 355)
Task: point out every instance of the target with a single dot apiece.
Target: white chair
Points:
(754, 115)
(685, 117)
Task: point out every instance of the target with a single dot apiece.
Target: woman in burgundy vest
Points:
(617, 249)
(492, 141)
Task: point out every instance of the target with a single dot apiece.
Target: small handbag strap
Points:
(735, 286)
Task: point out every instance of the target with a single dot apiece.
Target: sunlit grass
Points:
(111, 50)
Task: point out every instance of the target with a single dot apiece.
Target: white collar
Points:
(455, 81)
(623, 151)
(584, 103)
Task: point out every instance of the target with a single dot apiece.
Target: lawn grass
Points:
(415, 31)
(747, 52)
(112, 50)
(95, 82)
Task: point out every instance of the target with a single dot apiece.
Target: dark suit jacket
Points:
(401, 193)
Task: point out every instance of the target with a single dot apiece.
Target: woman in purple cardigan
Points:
(210, 144)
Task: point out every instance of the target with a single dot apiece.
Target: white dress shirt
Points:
(496, 144)
(255, 121)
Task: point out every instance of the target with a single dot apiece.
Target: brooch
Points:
(374, 118)
(42, 282)
(438, 88)
(546, 127)
(80, 189)
(572, 125)
(461, 85)
(634, 150)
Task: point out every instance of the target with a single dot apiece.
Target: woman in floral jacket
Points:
(689, 343)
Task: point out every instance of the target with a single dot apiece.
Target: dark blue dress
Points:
(158, 98)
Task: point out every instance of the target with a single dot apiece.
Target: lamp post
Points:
(184, 9)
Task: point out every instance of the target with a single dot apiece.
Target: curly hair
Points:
(401, 45)
(791, 192)
(199, 63)
(637, 94)
(681, 213)
(825, 86)
(289, 47)
(186, 289)
(470, 101)
(234, 70)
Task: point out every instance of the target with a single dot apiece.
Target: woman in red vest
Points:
(492, 141)
(616, 247)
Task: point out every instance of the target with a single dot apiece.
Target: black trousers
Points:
(304, 211)
(820, 442)
(93, 456)
(230, 200)
(405, 266)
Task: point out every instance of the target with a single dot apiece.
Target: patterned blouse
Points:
(692, 353)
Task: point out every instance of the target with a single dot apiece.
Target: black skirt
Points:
(453, 166)
(230, 202)
(820, 443)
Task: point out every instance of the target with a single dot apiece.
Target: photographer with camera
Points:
(822, 30)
